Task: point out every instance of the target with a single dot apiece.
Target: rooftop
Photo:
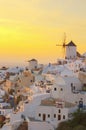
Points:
(53, 102)
(71, 43)
(32, 60)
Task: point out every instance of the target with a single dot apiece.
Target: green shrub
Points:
(79, 127)
(77, 123)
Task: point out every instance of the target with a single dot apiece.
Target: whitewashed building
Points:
(54, 111)
(33, 64)
(30, 108)
(82, 76)
(69, 89)
(71, 51)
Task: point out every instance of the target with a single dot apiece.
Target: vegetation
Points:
(11, 91)
(2, 119)
(77, 123)
(19, 98)
(6, 97)
(84, 88)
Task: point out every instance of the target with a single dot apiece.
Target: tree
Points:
(64, 126)
(77, 123)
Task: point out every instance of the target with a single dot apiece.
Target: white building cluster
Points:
(43, 95)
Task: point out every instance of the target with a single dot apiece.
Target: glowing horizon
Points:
(32, 28)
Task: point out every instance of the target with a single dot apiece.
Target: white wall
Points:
(33, 64)
(15, 117)
(70, 52)
(29, 109)
(6, 127)
(67, 94)
(40, 126)
(51, 110)
(82, 77)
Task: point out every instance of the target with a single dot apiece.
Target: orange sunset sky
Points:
(32, 28)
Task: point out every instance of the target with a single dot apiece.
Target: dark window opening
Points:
(48, 115)
(35, 67)
(18, 90)
(73, 87)
(54, 115)
(31, 81)
(55, 89)
(71, 84)
(61, 89)
(59, 117)
(39, 115)
(84, 85)
(59, 111)
(63, 116)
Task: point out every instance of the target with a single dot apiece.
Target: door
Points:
(44, 117)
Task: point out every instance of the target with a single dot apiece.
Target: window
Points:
(59, 117)
(31, 81)
(35, 67)
(72, 87)
(39, 115)
(71, 84)
(84, 85)
(59, 111)
(61, 89)
(48, 115)
(55, 89)
(54, 115)
(75, 102)
(18, 90)
(63, 116)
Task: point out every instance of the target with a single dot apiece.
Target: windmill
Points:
(63, 45)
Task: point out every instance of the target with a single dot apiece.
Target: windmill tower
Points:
(69, 50)
(63, 45)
